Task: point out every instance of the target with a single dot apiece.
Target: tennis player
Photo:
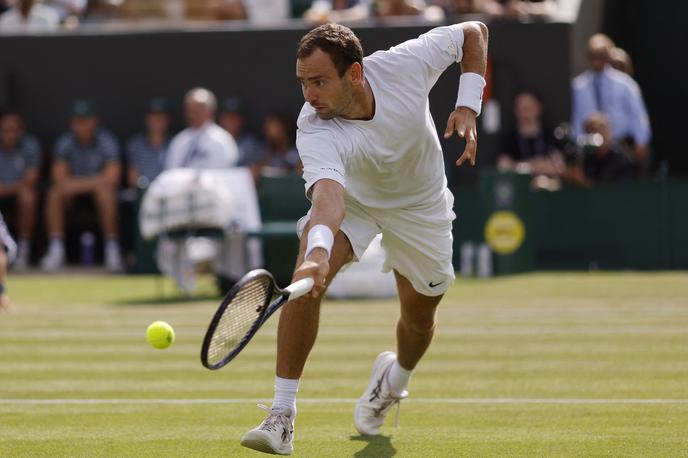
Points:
(373, 164)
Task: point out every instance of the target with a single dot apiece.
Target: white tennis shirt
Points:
(395, 159)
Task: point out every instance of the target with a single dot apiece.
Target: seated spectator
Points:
(323, 11)
(227, 10)
(606, 90)
(204, 144)
(620, 60)
(29, 16)
(86, 163)
(147, 151)
(519, 9)
(602, 161)
(529, 147)
(399, 8)
(233, 119)
(20, 163)
(280, 156)
(7, 252)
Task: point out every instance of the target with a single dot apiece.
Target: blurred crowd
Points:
(606, 139)
(89, 171)
(48, 15)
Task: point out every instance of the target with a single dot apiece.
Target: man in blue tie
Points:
(603, 89)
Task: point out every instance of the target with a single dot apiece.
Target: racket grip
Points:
(299, 288)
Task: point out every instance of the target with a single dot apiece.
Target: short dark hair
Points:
(337, 40)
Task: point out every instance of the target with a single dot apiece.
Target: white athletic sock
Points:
(24, 247)
(285, 394)
(56, 244)
(112, 244)
(398, 378)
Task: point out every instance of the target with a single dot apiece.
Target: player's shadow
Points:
(376, 447)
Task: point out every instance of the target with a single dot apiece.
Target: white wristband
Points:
(320, 236)
(471, 87)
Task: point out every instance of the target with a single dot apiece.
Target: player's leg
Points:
(298, 328)
(106, 200)
(418, 245)
(4, 300)
(27, 200)
(296, 333)
(55, 206)
(415, 328)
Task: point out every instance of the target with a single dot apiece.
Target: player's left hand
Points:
(462, 120)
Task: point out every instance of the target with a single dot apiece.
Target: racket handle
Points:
(299, 288)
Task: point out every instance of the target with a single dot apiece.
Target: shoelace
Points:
(387, 404)
(275, 419)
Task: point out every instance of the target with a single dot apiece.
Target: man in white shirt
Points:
(29, 16)
(204, 144)
(373, 164)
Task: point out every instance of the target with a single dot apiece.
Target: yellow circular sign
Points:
(504, 232)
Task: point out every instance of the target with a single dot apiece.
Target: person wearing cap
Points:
(146, 152)
(233, 119)
(204, 144)
(86, 162)
(20, 163)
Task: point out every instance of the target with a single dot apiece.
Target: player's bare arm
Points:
(328, 209)
(462, 119)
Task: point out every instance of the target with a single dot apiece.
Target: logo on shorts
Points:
(432, 285)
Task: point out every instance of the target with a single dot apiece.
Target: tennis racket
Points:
(250, 302)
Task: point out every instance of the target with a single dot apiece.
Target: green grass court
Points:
(534, 365)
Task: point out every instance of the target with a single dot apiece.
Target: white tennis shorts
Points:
(417, 240)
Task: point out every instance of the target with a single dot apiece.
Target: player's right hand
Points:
(316, 267)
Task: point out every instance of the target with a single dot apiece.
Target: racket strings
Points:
(240, 314)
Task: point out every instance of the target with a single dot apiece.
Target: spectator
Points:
(29, 16)
(233, 120)
(529, 147)
(204, 144)
(602, 161)
(323, 11)
(606, 90)
(147, 151)
(20, 163)
(6, 243)
(86, 163)
(620, 60)
(398, 8)
(519, 9)
(281, 156)
(224, 10)
(69, 11)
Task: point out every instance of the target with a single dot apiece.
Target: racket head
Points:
(238, 317)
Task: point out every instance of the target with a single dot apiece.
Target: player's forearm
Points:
(328, 204)
(474, 48)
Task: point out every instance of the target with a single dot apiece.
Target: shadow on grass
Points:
(376, 447)
(169, 300)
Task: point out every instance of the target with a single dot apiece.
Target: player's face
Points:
(330, 94)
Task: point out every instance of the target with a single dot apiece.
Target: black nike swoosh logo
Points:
(432, 285)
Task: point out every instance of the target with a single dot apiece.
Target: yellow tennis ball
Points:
(160, 335)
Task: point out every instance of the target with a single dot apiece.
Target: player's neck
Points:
(363, 106)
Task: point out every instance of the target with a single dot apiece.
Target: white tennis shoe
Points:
(377, 400)
(275, 435)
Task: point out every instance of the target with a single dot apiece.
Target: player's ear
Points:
(356, 73)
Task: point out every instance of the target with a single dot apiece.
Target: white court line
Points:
(191, 401)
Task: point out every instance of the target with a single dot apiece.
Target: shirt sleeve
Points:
(640, 122)
(62, 147)
(33, 155)
(320, 157)
(109, 147)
